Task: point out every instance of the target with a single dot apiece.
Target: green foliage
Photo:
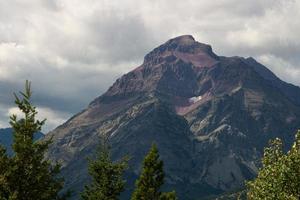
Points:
(107, 183)
(151, 179)
(279, 179)
(27, 174)
(168, 196)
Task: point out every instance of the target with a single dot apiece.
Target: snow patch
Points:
(195, 99)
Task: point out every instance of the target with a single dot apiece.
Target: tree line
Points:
(28, 175)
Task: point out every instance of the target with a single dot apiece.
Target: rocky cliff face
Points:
(210, 116)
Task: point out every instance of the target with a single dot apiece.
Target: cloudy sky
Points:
(73, 50)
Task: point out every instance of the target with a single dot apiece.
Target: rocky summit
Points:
(209, 115)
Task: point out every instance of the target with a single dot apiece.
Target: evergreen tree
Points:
(151, 179)
(27, 175)
(279, 178)
(107, 176)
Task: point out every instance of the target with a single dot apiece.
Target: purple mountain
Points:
(210, 116)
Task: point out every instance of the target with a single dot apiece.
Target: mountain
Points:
(6, 138)
(209, 115)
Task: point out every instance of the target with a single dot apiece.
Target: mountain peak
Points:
(184, 40)
(185, 48)
(210, 117)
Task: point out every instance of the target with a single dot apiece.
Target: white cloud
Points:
(53, 118)
(281, 67)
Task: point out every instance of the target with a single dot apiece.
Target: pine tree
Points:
(107, 176)
(151, 179)
(27, 175)
(279, 178)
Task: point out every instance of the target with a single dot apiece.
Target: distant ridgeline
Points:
(6, 138)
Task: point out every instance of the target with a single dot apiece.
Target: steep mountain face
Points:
(6, 138)
(210, 116)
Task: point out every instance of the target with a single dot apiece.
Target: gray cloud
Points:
(73, 50)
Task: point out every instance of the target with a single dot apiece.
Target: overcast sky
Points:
(73, 50)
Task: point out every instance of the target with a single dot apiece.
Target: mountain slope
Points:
(210, 116)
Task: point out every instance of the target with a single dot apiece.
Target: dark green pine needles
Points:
(27, 175)
(151, 179)
(107, 176)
